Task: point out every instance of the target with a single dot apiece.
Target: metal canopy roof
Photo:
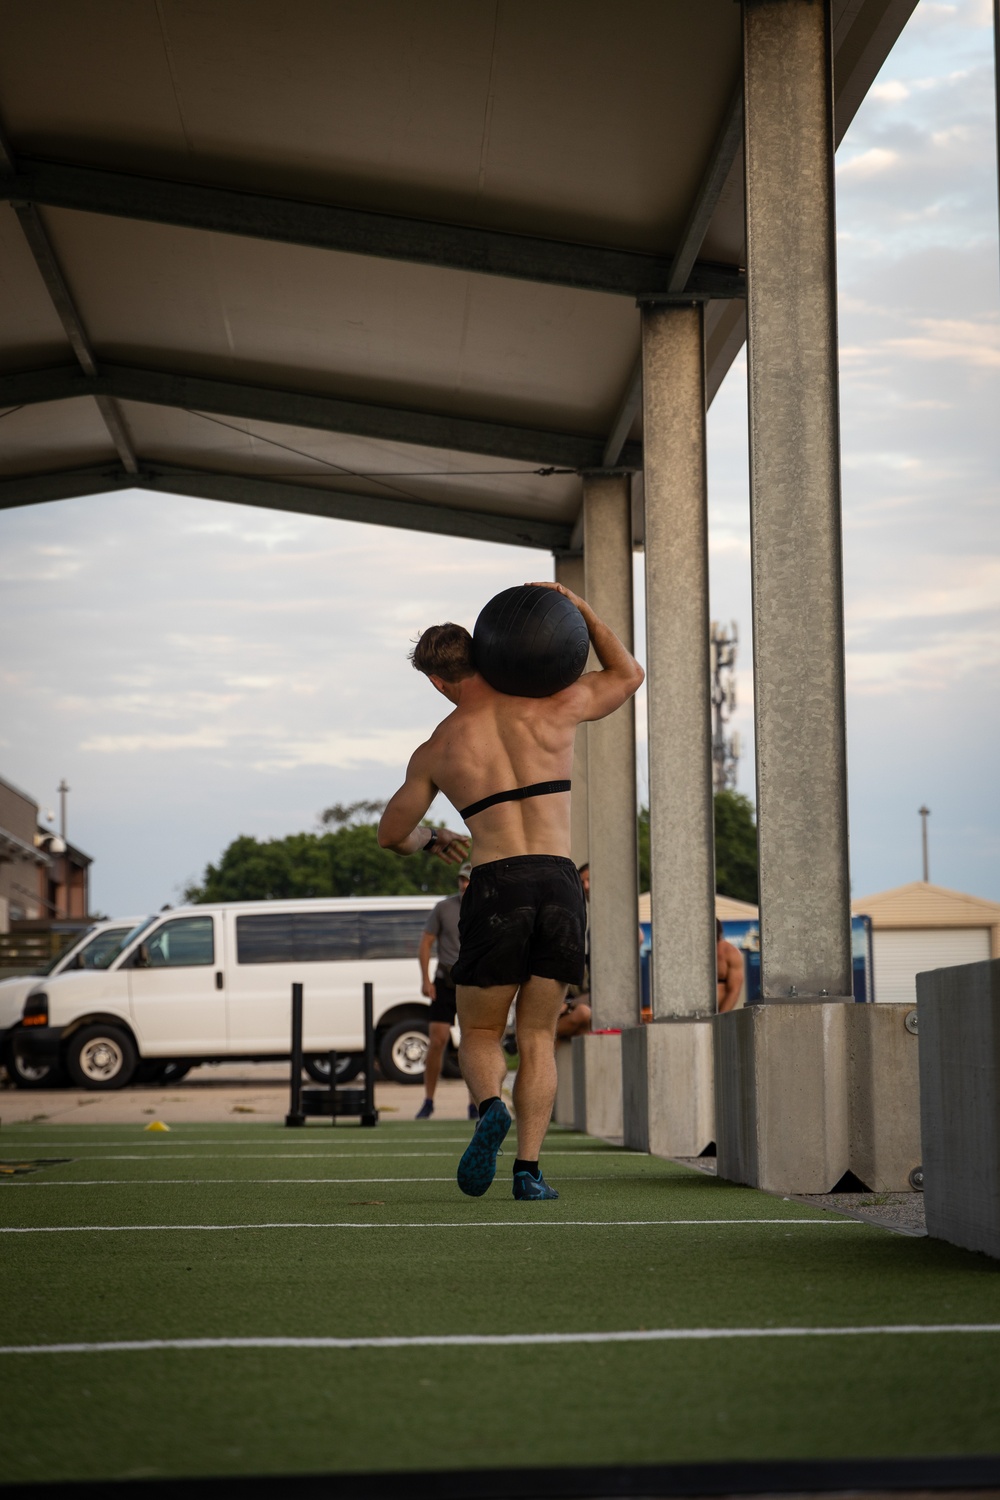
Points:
(263, 252)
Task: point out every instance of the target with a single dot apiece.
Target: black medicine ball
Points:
(530, 642)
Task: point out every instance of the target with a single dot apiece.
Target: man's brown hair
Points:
(444, 651)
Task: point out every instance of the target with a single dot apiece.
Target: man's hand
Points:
(453, 848)
(428, 990)
(560, 588)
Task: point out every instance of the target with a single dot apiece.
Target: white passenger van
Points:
(213, 983)
(93, 949)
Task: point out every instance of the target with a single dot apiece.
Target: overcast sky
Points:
(197, 670)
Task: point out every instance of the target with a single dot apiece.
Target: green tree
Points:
(344, 862)
(735, 847)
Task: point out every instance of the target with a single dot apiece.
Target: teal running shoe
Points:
(478, 1166)
(527, 1187)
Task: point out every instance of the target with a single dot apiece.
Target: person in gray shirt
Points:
(442, 928)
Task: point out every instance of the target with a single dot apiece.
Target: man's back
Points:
(492, 743)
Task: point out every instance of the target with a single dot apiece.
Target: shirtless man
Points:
(728, 969)
(506, 763)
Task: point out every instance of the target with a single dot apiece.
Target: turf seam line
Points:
(502, 1340)
(447, 1224)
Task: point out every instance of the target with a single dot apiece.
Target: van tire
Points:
(402, 1051)
(27, 1075)
(101, 1057)
(349, 1065)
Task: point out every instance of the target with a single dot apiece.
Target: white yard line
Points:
(447, 1224)
(313, 1156)
(156, 1143)
(504, 1340)
(266, 1181)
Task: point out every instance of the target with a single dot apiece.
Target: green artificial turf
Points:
(457, 1266)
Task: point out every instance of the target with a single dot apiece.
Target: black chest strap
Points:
(537, 789)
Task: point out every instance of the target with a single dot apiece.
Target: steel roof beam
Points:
(727, 143)
(273, 494)
(305, 409)
(66, 310)
(457, 247)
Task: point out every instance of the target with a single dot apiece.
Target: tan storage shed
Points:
(920, 926)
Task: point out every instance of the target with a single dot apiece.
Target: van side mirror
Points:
(141, 960)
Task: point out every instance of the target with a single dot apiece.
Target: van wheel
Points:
(28, 1075)
(402, 1052)
(101, 1057)
(349, 1065)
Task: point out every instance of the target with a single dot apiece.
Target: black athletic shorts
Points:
(522, 916)
(443, 1008)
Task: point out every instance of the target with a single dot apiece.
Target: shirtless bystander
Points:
(729, 971)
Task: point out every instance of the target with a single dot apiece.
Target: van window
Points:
(184, 943)
(102, 950)
(392, 934)
(298, 937)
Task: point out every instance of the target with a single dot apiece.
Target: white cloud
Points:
(976, 344)
(871, 163)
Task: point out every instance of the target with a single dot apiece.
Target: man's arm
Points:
(427, 984)
(597, 694)
(400, 828)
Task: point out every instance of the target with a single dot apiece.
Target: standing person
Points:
(506, 761)
(729, 971)
(442, 928)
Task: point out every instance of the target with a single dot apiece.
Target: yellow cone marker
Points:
(156, 1125)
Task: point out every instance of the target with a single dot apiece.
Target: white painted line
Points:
(240, 1181)
(250, 1181)
(168, 1156)
(446, 1224)
(504, 1340)
(157, 1143)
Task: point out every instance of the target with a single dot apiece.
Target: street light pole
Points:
(62, 789)
(925, 813)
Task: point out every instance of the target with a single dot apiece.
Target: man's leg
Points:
(538, 1007)
(574, 1021)
(482, 1015)
(439, 1037)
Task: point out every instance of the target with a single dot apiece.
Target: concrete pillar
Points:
(570, 573)
(883, 1095)
(682, 850)
(795, 501)
(564, 1110)
(669, 1104)
(959, 1017)
(614, 870)
(781, 1080)
(597, 1085)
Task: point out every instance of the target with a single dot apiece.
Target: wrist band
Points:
(432, 840)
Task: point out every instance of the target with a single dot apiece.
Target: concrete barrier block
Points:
(781, 1095)
(883, 1092)
(958, 1013)
(668, 1097)
(564, 1112)
(597, 1084)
